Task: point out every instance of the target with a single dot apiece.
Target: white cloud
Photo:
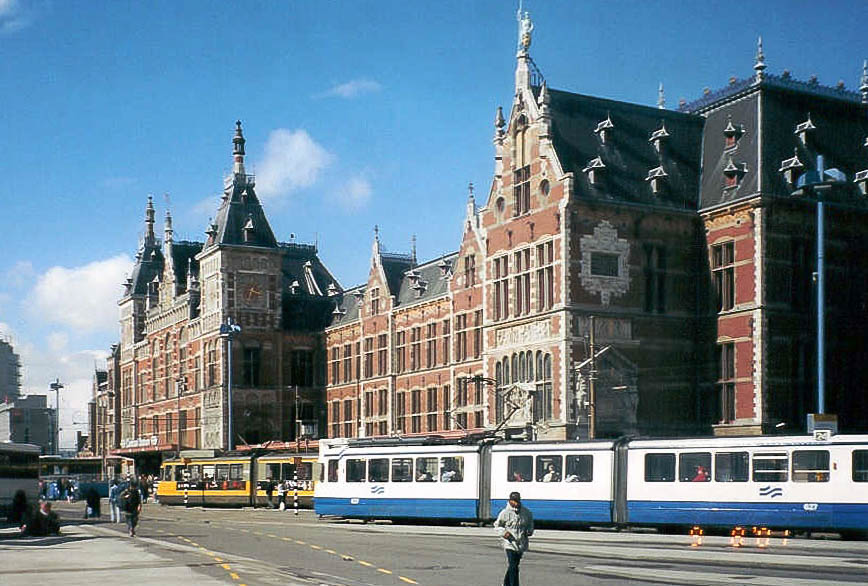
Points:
(57, 341)
(12, 16)
(21, 273)
(293, 160)
(351, 89)
(81, 297)
(354, 194)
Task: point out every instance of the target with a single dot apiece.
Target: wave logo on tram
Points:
(378, 489)
(771, 492)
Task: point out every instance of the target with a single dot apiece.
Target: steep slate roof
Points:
(348, 306)
(840, 121)
(240, 208)
(628, 155)
(149, 264)
(426, 281)
(300, 264)
(394, 266)
(184, 252)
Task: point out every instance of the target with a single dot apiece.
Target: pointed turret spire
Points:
(168, 233)
(760, 65)
(544, 99)
(150, 239)
(522, 70)
(499, 125)
(238, 148)
(661, 99)
(863, 88)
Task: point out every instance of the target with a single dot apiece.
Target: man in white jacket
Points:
(514, 524)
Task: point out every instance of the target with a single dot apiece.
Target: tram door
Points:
(619, 483)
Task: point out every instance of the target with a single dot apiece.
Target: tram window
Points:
(659, 467)
(333, 470)
(208, 471)
(694, 467)
(519, 468)
(860, 465)
(580, 468)
(222, 472)
(287, 471)
(378, 470)
(356, 470)
(179, 473)
(452, 469)
(195, 472)
(426, 469)
(548, 468)
(770, 467)
(810, 466)
(731, 467)
(236, 472)
(402, 469)
(305, 471)
(272, 471)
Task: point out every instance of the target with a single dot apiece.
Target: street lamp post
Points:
(56, 386)
(228, 331)
(182, 386)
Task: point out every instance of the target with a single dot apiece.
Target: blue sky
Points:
(355, 113)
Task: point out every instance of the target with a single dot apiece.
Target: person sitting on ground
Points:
(42, 522)
(18, 511)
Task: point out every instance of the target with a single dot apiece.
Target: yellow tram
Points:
(236, 479)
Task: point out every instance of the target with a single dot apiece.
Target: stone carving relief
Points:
(524, 334)
(605, 241)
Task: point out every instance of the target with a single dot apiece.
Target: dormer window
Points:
(803, 129)
(595, 171)
(733, 174)
(248, 229)
(732, 133)
(659, 137)
(604, 130)
(792, 168)
(657, 179)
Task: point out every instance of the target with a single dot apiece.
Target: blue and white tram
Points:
(560, 482)
(19, 470)
(784, 482)
(391, 479)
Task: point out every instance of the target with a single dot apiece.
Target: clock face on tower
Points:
(252, 291)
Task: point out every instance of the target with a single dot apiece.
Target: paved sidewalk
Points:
(86, 555)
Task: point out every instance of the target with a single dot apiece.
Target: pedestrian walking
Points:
(131, 501)
(514, 524)
(281, 495)
(114, 492)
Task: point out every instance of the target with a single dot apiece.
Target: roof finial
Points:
(413, 247)
(525, 28)
(760, 65)
(376, 232)
(167, 227)
(150, 240)
(470, 190)
(238, 148)
(863, 88)
(661, 100)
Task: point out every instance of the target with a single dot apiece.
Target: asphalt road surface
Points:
(253, 547)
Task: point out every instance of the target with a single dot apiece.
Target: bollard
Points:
(185, 496)
(295, 491)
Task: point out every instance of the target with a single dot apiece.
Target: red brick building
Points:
(688, 236)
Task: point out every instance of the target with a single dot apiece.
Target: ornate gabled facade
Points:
(172, 361)
(685, 235)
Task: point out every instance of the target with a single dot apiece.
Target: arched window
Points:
(529, 358)
(543, 403)
(515, 372)
(522, 366)
(498, 393)
(539, 365)
(506, 371)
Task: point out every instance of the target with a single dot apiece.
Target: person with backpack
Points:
(131, 503)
